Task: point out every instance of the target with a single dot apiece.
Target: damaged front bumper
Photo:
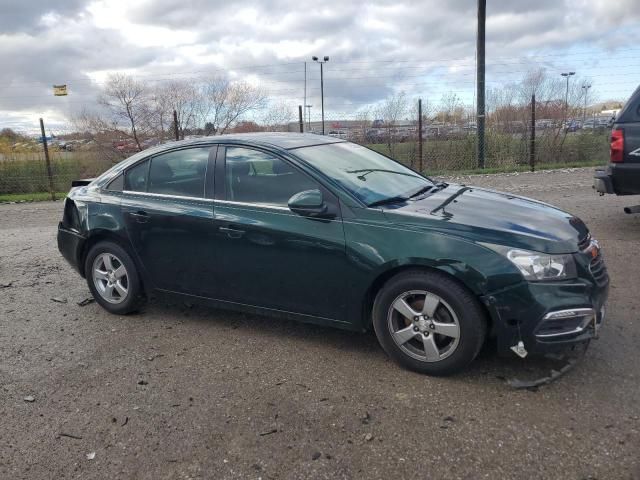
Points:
(546, 317)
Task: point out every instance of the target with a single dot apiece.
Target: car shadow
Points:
(489, 368)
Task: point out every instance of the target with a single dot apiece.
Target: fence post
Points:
(532, 146)
(300, 120)
(46, 159)
(420, 161)
(480, 85)
(175, 125)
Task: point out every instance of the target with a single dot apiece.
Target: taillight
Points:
(617, 146)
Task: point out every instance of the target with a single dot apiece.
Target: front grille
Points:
(599, 270)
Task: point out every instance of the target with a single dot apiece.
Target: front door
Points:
(169, 218)
(269, 256)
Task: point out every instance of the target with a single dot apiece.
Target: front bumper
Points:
(547, 317)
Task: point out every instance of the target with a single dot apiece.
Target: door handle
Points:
(232, 232)
(140, 216)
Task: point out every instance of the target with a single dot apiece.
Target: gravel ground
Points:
(188, 392)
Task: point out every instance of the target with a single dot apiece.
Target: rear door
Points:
(269, 256)
(167, 204)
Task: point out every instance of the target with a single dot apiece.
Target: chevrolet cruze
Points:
(325, 231)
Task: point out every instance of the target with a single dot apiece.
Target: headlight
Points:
(536, 265)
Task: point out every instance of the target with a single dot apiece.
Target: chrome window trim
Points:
(253, 205)
(172, 197)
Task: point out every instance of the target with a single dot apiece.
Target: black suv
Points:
(622, 175)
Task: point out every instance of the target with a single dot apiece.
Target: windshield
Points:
(371, 177)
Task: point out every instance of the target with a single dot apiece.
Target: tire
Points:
(422, 337)
(117, 292)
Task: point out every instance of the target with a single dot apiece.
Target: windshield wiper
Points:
(387, 201)
(421, 190)
(428, 188)
(366, 171)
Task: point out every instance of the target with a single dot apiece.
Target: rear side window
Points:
(180, 173)
(135, 179)
(117, 183)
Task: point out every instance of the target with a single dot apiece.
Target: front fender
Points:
(375, 248)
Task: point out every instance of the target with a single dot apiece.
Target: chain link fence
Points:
(446, 147)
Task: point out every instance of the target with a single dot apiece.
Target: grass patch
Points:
(30, 197)
(28, 174)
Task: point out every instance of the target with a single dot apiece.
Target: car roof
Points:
(285, 140)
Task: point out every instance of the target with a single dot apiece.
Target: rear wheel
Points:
(428, 322)
(112, 278)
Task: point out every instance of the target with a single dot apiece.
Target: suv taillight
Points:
(617, 146)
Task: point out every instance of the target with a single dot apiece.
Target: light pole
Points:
(321, 62)
(566, 95)
(308, 107)
(586, 92)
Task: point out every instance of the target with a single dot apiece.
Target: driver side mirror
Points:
(308, 204)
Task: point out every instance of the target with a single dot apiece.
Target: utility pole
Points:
(420, 161)
(47, 161)
(532, 146)
(300, 120)
(566, 94)
(322, 97)
(175, 125)
(586, 92)
(480, 87)
(321, 62)
(305, 86)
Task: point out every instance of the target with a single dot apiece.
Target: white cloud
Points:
(424, 47)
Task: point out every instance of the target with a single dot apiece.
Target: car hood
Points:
(492, 217)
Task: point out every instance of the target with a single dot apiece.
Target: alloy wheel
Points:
(110, 278)
(423, 325)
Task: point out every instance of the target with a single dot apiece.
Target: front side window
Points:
(371, 177)
(181, 173)
(135, 179)
(253, 176)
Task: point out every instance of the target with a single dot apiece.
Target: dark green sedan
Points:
(329, 232)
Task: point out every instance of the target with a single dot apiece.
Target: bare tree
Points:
(179, 95)
(363, 122)
(224, 102)
(104, 131)
(277, 116)
(392, 111)
(127, 101)
(451, 108)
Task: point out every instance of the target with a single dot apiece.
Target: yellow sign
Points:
(60, 90)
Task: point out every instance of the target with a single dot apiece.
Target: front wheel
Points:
(428, 322)
(112, 278)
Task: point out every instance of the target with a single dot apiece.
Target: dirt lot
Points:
(187, 392)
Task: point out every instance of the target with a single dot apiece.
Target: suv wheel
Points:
(112, 278)
(428, 322)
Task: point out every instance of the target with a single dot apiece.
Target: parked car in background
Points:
(572, 126)
(338, 134)
(326, 231)
(622, 175)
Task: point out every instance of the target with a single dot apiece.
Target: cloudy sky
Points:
(423, 47)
